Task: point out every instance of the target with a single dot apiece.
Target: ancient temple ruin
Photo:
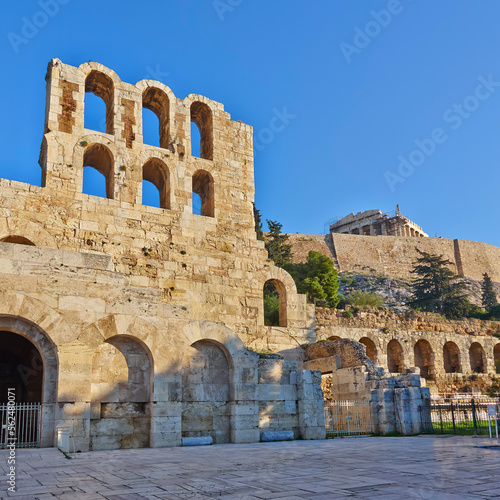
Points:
(376, 223)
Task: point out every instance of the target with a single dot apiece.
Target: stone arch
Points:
(451, 358)
(202, 115)
(203, 186)
(13, 230)
(287, 290)
(477, 357)
(395, 357)
(156, 171)
(282, 301)
(44, 352)
(424, 359)
(371, 348)
(496, 357)
(157, 101)
(101, 159)
(121, 390)
(102, 82)
(206, 391)
(101, 85)
(18, 240)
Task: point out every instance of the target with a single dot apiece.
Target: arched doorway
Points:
(451, 358)
(121, 392)
(496, 357)
(477, 358)
(424, 359)
(21, 369)
(371, 349)
(206, 389)
(28, 377)
(395, 357)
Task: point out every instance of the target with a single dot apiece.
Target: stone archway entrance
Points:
(206, 389)
(21, 369)
(28, 379)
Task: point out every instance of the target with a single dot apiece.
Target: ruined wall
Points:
(396, 400)
(447, 352)
(142, 314)
(394, 255)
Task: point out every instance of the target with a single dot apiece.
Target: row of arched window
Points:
(99, 114)
(424, 357)
(98, 180)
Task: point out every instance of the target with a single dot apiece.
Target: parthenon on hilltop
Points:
(376, 223)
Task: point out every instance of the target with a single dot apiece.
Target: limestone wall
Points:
(446, 352)
(395, 400)
(394, 255)
(141, 314)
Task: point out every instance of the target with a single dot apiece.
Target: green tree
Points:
(317, 278)
(488, 297)
(258, 223)
(437, 288)
(279, 251)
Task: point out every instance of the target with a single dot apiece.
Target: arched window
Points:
(424, 359)
(20, 240)
(203, 186)
(100, 159)
(371, 349)
(201, 116)
(156, 173)
(451, 358)
(101, 86)
(274, 303)
(477, 358)
(157, 101)
(395, 357)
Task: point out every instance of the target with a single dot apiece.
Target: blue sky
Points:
(382, 102)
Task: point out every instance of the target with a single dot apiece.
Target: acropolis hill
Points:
(395, 255)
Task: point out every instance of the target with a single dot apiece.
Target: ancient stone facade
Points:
(445, 351)
(141, 315)
(375, 223)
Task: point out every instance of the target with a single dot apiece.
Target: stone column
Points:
(311, 405)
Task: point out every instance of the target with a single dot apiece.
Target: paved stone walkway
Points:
(379, 468)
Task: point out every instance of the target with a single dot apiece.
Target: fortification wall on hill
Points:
(395, 255)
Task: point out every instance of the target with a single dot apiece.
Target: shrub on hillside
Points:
(358, 298)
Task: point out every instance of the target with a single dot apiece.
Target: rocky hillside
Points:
(395, 291)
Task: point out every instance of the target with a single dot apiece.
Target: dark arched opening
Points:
(21, 369)
(395, 357)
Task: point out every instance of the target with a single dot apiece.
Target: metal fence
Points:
(348, 418)
(460, 416)
(20, 424)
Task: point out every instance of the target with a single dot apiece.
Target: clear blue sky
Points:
(359, 101)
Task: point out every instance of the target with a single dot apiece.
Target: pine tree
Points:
(279, 251)
(437, 288)
(317, 278)
(258, 223)
(488, 298)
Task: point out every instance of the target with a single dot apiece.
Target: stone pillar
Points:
(372, 230)
(166, 424)
(244, 417)
(311, 405)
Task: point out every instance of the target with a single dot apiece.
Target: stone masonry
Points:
(141, 315)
